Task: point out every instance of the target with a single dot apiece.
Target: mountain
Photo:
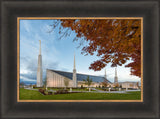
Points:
(28, 82)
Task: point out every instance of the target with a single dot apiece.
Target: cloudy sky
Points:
(57, 54)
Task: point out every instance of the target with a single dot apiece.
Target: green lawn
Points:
(35, 95)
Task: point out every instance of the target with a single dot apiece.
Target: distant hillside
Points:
(28, 82)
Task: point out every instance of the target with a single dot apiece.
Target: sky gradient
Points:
(57, 54)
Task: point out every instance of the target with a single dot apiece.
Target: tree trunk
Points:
(89, 89)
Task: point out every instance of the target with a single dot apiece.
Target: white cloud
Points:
(46, 28)
(23, 78)
(24, 71)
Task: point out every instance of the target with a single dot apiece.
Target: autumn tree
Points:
(105, 83)
(116, 85)
(114, 41)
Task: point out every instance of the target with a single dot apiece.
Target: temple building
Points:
(73, 79)
(129, 84)
(57, 78)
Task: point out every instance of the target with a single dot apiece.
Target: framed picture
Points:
(112, 65)
(46, 83)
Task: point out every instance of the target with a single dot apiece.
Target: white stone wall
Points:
(129, 84)
(93, 84)
(56, 80)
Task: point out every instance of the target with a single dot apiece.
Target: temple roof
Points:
(80, 77)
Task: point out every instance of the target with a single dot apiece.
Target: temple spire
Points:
(116, 72)
(74, 62)
(39, 68)
(105, 75)
(74, 73)
(115, 78)
(39, 47)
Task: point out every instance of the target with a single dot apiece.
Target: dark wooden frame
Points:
(11, 9)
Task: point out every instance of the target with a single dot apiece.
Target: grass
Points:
(35, 95)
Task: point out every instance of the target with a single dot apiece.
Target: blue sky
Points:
(57, 54)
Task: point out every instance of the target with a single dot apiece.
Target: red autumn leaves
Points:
(114, 41)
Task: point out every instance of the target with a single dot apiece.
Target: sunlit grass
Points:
(35, 95)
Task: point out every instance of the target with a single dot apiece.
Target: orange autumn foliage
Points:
(114, 40)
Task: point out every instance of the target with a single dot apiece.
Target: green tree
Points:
(45, 82)
(88, 82)
(66, 82)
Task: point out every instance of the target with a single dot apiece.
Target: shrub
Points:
(49, 93)
(90, 89)
(113, 89)
(61, 92)
(120, 86)
(81, 86)
(42, 91)
(34, 86)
